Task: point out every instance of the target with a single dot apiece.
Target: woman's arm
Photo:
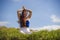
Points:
(18, 14)
(30, 13)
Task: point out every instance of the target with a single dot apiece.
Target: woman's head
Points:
(24, 13)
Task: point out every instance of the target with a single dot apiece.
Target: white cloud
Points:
(3, 23)
(55, 18)
(49, 27)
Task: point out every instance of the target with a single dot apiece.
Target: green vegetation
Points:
(14, 34)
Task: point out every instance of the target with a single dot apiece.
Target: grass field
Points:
(14, 34)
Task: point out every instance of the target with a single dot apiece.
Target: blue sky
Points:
(44, 12)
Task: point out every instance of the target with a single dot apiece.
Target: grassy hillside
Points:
(14, 34)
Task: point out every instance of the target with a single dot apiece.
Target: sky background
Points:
(44, 12)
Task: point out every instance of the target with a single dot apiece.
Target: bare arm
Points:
(30, 13)
(18, 14)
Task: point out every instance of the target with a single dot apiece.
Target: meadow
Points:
(14, 34)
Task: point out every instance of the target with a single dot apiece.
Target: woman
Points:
(24, 19)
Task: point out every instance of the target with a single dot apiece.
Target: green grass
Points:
(14, 34)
